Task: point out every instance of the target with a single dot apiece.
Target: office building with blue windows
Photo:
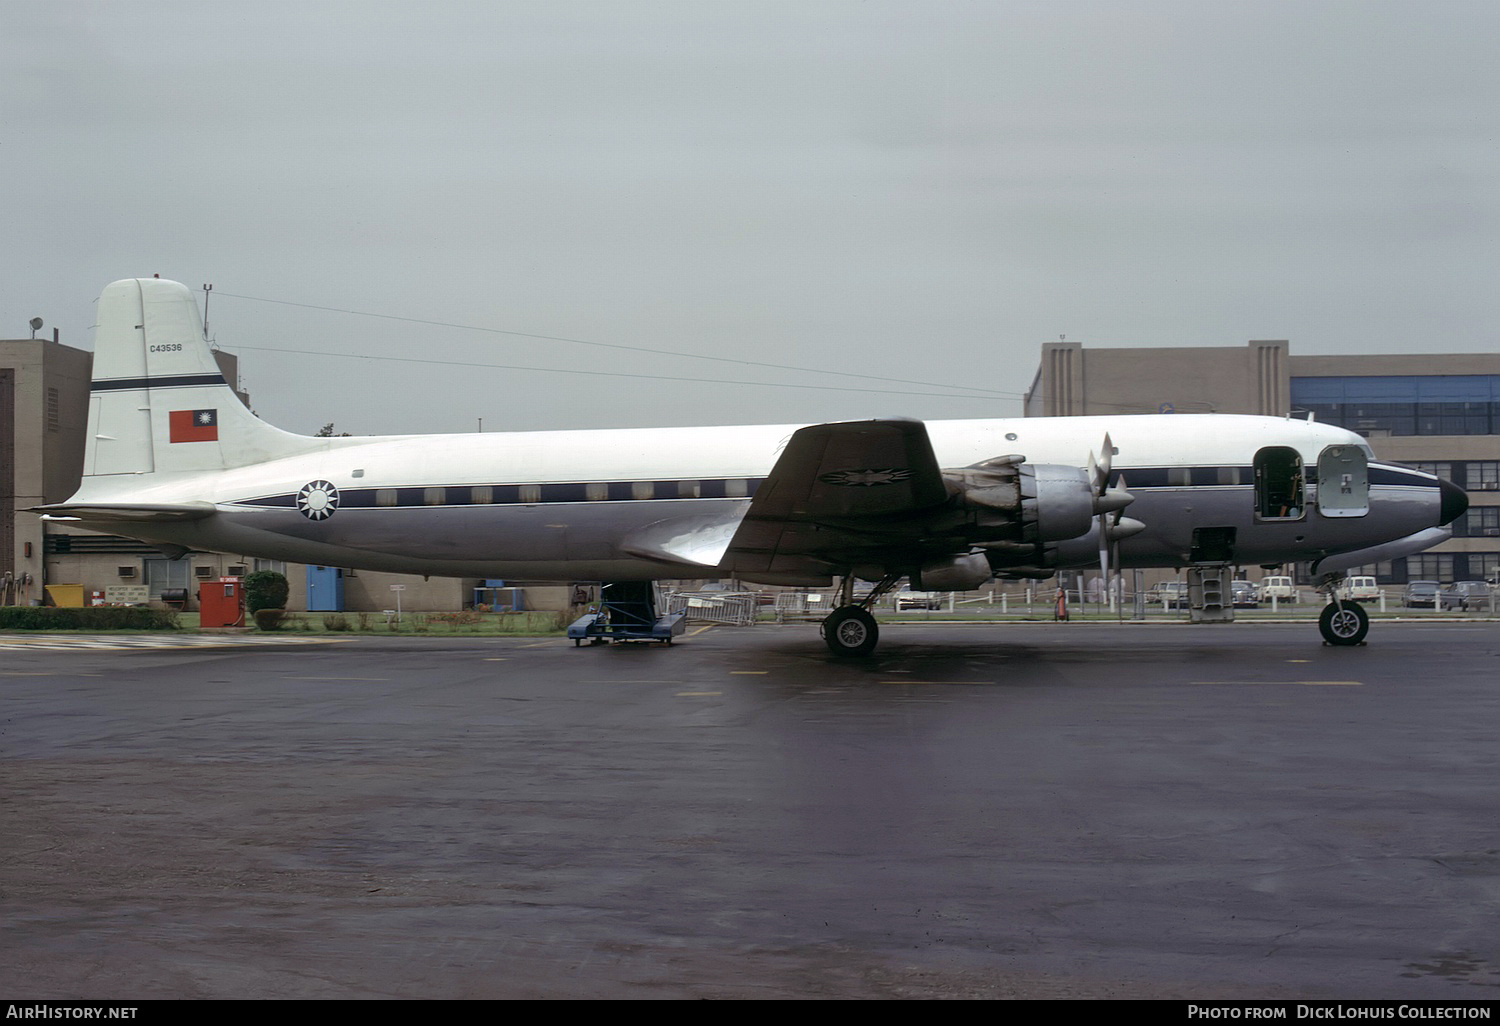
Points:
(1437, 412)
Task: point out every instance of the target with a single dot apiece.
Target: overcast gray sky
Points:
(923, 192)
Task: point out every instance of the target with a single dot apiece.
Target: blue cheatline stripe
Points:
(1136, 479)
(413, 497)
(159, 381)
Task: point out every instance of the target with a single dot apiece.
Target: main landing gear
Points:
(850, 630)
(1342, 622)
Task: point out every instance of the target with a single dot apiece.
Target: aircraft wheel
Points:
(850, 631)
(1345, 624)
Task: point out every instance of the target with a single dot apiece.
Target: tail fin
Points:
(159, 402)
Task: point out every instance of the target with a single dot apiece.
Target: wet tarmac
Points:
(1070, 810)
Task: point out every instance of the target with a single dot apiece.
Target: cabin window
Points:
(736, 488)
(530, 493)
(385, 496)
(434, 496)
(688, 489)
(643, 489)
(481, 495)
(1278, 484)
(596, 492)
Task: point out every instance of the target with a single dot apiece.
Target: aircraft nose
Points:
(1455, 501)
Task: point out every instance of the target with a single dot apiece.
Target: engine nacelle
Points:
(960, 573)
(1024, 503)
(1064, 505)
(1030, 560)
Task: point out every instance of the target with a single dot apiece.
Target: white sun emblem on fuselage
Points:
(317, 500)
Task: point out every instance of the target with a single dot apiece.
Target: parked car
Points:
(1359, 589)
(1282, 589)
(1420, 593)
(1243, 594)
(1465, 595)
(1174, 594)
(908, 599)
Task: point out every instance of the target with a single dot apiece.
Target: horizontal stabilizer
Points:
(152, 512)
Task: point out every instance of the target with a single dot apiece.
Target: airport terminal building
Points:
(1436, 412)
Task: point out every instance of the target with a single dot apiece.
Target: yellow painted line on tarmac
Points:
(539, 644)
(335, 678)
(497, 659)
(1304, 683)
(46, 673)
(748, 673)
(700, 630)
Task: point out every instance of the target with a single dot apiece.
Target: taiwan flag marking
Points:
(193, 425)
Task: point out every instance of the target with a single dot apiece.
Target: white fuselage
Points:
(556, 505)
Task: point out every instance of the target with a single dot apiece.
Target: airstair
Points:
(626, 612)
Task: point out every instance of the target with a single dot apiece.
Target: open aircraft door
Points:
(1343, 481)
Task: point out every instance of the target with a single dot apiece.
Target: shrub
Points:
(269, 619)
(265, 589)
(335, 622)
(92, 618)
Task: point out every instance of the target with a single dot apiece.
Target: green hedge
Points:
(92, 618)
(265, 589)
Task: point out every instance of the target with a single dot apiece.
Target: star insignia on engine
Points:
(866, 478)
(317, 500)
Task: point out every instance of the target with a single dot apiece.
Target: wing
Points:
(869, 497)
(157, 512)
(842, 495)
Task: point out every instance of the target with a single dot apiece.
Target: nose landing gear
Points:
(1342, 622)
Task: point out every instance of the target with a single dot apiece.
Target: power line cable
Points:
(990, 392)
(611, 374)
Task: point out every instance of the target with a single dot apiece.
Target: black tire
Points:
(1344, 623)
(850, 631)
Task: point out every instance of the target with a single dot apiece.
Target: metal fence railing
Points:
(723, 608)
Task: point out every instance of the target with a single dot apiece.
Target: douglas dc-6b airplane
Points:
(175, 459)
